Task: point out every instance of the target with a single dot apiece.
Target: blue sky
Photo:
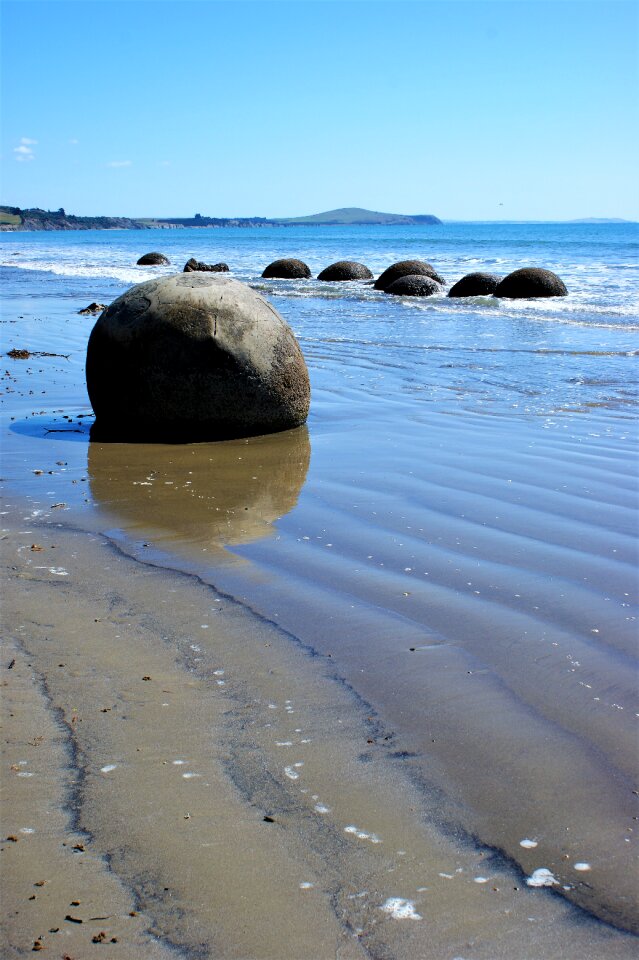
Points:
(469, 110)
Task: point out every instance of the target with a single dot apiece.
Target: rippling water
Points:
(456, 528)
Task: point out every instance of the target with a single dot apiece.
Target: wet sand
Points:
(226, 785)
(404, 637)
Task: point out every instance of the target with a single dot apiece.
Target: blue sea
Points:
(598, 263)
(455, 528)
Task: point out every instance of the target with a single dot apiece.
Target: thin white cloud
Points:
(73, 140)
(165, 163)
(24, 153)
(119, 163)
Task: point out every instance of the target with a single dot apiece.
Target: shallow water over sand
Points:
(454, 536)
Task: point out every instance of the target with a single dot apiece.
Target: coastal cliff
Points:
(16, 219)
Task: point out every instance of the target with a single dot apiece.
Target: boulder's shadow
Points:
(203, 496)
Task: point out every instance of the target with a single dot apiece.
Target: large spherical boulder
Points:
(475, 285)
(195, 266)
(414, 285)
(152, 260)
(531, 282)
(405, 268)
(194, 356)
(287, 269)
(345, 270)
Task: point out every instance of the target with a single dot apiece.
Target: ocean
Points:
(453, 533)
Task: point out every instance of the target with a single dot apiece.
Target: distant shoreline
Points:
(17, 220)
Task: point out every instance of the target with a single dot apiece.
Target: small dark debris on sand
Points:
(16, 354)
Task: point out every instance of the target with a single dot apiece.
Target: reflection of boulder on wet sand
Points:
(204, 496)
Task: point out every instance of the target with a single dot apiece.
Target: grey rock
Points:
(345, 270)
(287, 269)
(405, 268)
(152, 260)
(531, 282)
(193, 265)
(414, 285)
(194, 356)
(475, 285)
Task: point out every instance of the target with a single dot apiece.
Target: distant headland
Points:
(15, 218)
(356, 216)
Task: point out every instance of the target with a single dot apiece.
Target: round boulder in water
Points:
(414, 285)
(345, 270)
(152, 260)
(475, 285)
(531, 282)
(287, 269)
(194, 356)
(405, 268)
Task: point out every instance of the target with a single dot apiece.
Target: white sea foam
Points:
(400, 909)
(361, 834)
(124, 274)
(542, 877)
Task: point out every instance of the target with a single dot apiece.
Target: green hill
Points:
(356, 215)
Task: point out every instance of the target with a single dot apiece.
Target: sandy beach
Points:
(343, 691)
(151, 790)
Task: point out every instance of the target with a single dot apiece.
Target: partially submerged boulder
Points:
(475, 285)
(414, 285)
(153, 259)
(345, 270)
(287, 269)
(194, 266)
(531, 282)
(194, 356)
(405, 268)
